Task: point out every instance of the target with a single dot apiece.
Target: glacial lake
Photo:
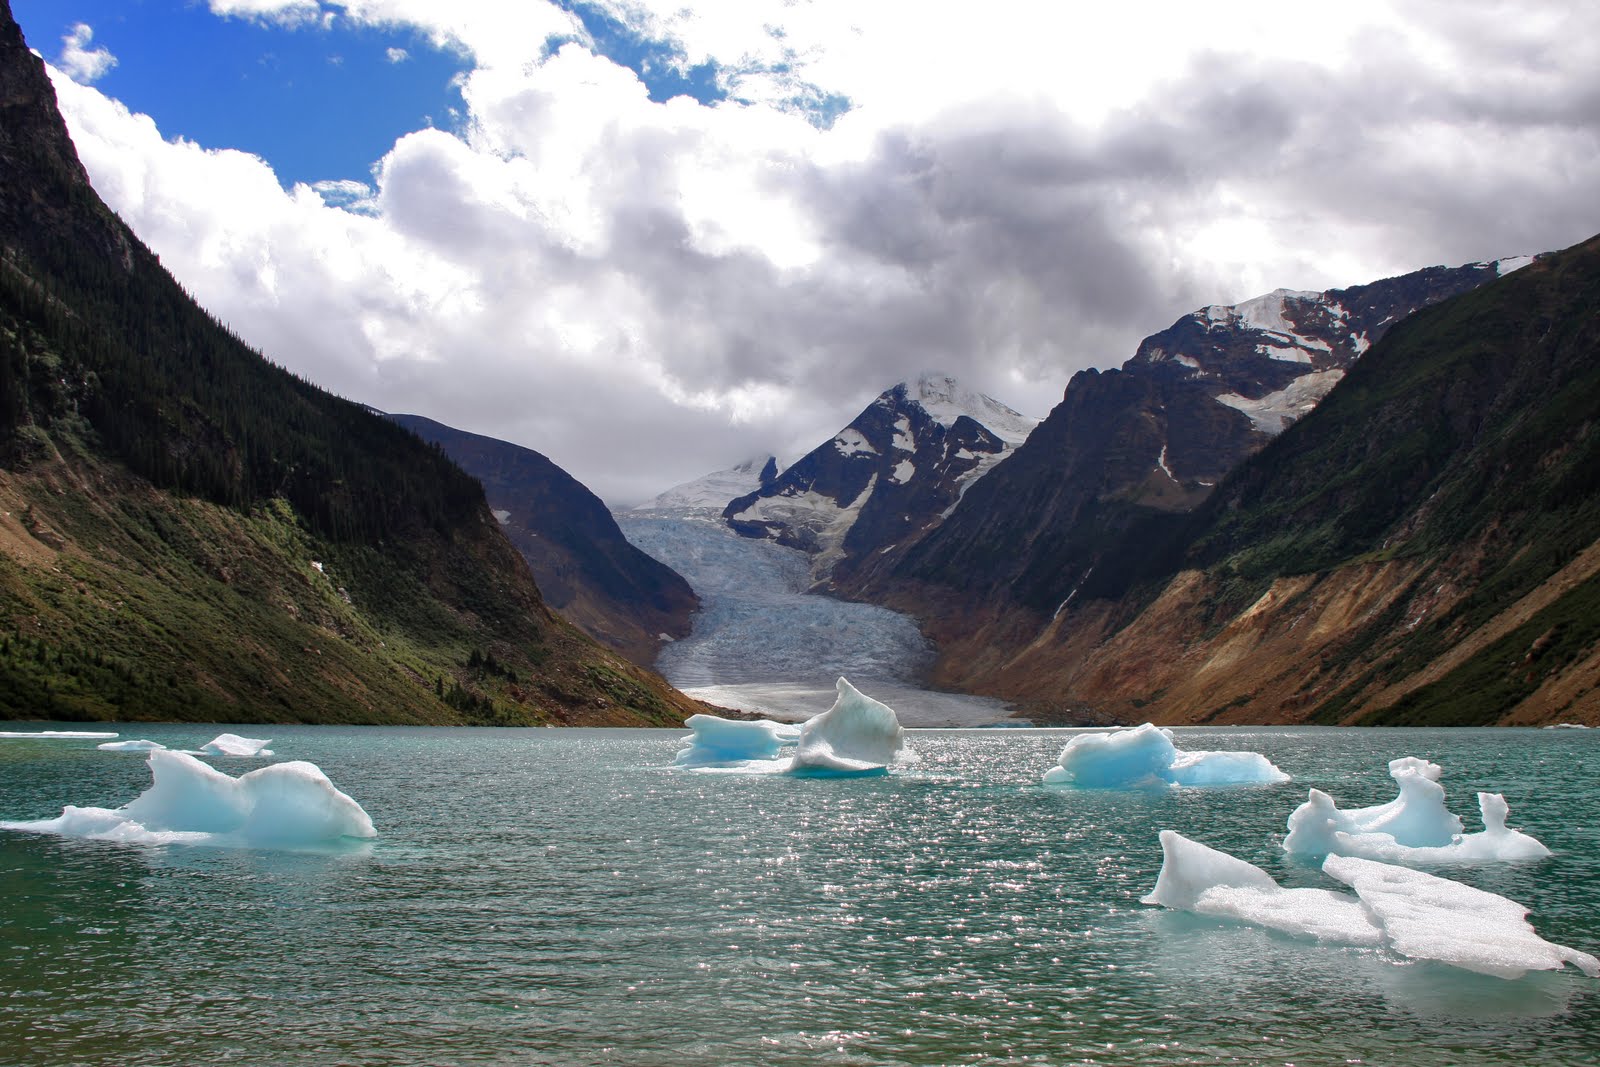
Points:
(562, 897)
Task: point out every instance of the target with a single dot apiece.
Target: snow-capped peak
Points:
(713, 491)
(945, 400)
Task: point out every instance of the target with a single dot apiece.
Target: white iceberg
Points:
(1426, 917)
(1416, 915)
(1200, 879)
(732, 743)
(70, 735)
(857, 735)
(131, 746)
(1415, 827)
(234, 745)
(1146, 758)
(284, 805)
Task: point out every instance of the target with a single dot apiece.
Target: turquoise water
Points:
(557, 897)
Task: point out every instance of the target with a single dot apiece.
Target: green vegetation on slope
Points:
(191, 532)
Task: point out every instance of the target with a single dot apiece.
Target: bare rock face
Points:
(1106, 478)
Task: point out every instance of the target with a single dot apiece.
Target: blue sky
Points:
(320, 103)
(652, 238)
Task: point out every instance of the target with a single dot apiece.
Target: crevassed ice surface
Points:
(564, 897)
(763, 644)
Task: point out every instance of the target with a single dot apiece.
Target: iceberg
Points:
(130, 746)
(234, 745)
(1200, 879)
(856, 736)
(1413, 914)
(1415, 827)
(731, 743)
(1146, 758)
(283, 805)
(1425, 917)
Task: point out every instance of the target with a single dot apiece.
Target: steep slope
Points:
(1129, 452)
(1423, 548)
(190, 532)
(585, 567)
(885, 479)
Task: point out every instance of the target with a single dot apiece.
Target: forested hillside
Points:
(190, 532)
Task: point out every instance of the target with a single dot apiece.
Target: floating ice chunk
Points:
(719, 742)
(283, 805)
(234, 745)
(1420, 916)
(1205, 881)
(57, 734)
(1427, 917)
(857, 735)
(1146, 758)
(1412, 828)
(130, 746)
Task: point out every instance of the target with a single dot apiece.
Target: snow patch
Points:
(1273, 412)
(501, 515)
(851, 442)
(1283, 354)
(902, 472)
(1506, 266)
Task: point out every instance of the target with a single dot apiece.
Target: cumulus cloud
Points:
(647, 291)
(81, 63)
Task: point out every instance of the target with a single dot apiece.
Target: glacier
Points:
(856, 736)
(1413, 914)
(289, 805)
(1146, 758)
(1415, 827)
(764, 645)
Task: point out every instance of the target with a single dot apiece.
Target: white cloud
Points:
(397, 55)
(649, 291)
(81, 63)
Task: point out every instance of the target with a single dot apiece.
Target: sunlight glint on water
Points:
(557, 897)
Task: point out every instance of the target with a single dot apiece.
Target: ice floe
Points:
(70, 735)
(283, 805)
(234, 745)
(1415, 827)
(856, 736)
(731, 743)
(131, 746)
(1145, 757)
(1414, 914)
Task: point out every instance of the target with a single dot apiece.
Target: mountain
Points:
(713, 491)
(885, 479)
(1126, 455)
(1422, 548)
(190, 532)
(585, 567)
